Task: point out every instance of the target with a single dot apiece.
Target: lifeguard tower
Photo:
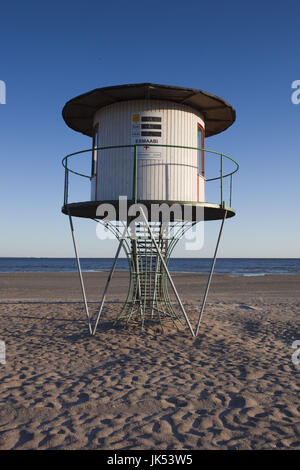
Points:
(147, 184)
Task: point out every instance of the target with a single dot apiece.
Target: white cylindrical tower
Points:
(164, 173)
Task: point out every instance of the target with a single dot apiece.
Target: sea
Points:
(236, 266)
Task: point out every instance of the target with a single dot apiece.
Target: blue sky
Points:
(246, 53)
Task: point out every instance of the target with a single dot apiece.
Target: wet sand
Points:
(233, 387)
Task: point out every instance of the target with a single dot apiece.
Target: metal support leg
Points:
(156, 273)
(167, 272)
(210, 275)
(108, 281)
(139, 289)
(80, 277)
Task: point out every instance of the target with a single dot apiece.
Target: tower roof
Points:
(78, 113)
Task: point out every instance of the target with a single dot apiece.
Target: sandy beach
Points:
(233, 387)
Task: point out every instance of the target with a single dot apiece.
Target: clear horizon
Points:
(123, 257)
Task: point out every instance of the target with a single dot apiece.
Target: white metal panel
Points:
(172, 177)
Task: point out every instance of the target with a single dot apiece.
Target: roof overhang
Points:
(79, 112)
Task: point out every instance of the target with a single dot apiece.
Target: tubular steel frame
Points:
(135, 294)
(148, 247)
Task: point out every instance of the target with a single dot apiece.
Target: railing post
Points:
(230, 190)
(221, 181)
(135, 172)
(66, 183)
(65, 187)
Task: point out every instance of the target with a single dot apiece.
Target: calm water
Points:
(241, 266)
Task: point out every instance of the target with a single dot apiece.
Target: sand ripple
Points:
(234, 387)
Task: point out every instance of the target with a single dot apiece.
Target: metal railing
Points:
(135, 168)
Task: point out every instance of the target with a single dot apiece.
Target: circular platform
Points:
(191, 211)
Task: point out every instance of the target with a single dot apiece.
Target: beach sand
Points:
(233, 387)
